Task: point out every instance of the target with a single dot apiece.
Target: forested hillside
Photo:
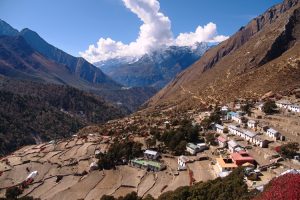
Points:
(31, 113)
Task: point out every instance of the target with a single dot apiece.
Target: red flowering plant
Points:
(286, 187)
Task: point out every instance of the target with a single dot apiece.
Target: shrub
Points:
(215, 117)
(231, 187)
(130, 196)
(107, 197)
(289, 150)
(150, 142)
(176, 140)
(269, 107)
(211, 139)
(247, 108)
(13, 193)
(148, 197)
(225, 130)
(119, 152)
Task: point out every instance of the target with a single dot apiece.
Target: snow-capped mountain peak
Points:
(156, 68)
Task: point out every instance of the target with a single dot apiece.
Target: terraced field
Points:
(63, 172)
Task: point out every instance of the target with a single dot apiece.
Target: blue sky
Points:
(73, 25)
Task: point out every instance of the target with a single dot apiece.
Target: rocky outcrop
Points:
(245, 33)
(286, 39)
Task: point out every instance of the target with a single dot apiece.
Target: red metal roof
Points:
(242, 155)
(221, 139)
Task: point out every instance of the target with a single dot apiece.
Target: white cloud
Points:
(208, 33)
(154, 32)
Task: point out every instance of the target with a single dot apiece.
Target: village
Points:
(240, 136)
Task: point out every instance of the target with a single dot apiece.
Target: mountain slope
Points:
(19, 60)
(261, 57)
(31, 112)
(155, 69)
(26, 120)
(6, 29)
(27, 56)
(80, 67)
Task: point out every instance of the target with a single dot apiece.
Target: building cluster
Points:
(235, 123)
(247, 135)
(284, 104)
(248, 132)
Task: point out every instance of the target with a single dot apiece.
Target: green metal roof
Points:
(192, 146)
(147, 162)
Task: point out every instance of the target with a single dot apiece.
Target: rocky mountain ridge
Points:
(80, 67)
(261, 57)
(6, 29)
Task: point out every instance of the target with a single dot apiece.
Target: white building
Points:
(219, 128)
(283, 104)
(225, 164)
(192, 148)
(258, 141)
(224, 109)
(260, 106)
(235, 130)
(248, 135)
(232, 145)
(202, 147)
(182, 162)
(222, 142)
(167, 124)
(252, 124)
(237, 119)
(294, 108)
(152, 155)
(230, 114)
(272, 133)
(32, 175)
